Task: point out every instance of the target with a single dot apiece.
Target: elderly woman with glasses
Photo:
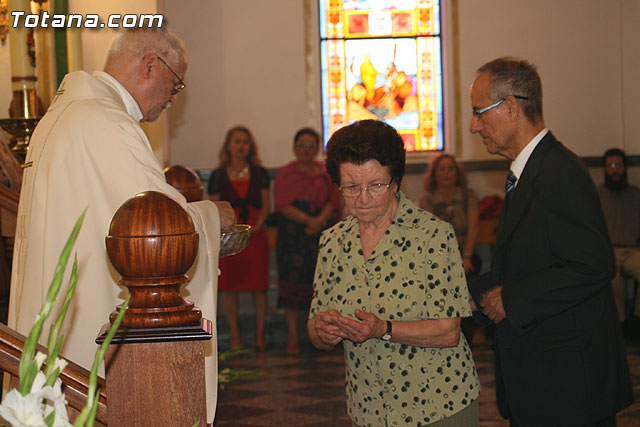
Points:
(390, 286)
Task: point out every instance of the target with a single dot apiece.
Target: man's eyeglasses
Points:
(179, 87)
(615, 165)
(376, 189)
(480, 112)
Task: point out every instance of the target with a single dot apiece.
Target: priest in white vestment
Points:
(89, 151)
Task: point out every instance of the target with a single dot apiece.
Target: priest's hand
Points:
(227, 215)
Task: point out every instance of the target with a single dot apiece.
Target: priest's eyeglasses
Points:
(376, 189)
(481, 111)
(177, 87)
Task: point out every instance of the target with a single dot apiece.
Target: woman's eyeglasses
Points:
(375, 189)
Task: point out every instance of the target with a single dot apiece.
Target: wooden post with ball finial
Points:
(155, 363)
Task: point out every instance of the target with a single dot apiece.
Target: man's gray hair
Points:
(513, 76)
(135, 43)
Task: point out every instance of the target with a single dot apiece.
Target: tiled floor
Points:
(308, 390)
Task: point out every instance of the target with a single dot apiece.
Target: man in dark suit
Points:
(559, 354)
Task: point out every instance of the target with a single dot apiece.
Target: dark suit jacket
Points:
(559, 354)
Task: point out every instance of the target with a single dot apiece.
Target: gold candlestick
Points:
(24, 110)
(21, 129)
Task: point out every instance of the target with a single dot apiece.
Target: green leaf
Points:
(55, 342)
(49, 370)
(28, 377)
(82, 417)
(28, 352)
(234, 352)
(92, 394)
(50, 418)
(92, 416)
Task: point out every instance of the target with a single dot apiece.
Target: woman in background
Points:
(446, 195)
(305, 201)
(241, 181)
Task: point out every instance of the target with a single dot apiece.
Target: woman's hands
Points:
(331, 327)
(315, 224)
(325, 329)
(370, 326)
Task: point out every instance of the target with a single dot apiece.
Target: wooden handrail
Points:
(75, 379)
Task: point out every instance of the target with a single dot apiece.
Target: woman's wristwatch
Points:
(387, 335)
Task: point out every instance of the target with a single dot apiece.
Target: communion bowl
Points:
(234, 241)
(186, 181)
(151, 235)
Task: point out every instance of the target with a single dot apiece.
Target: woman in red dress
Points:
(241, 181)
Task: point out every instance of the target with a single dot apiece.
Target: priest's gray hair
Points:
(135, 43)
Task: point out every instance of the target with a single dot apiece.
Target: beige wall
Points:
(247, 65)
(94, 47)
(562, 39)
(251, 70)
(631, 74)
(96, 42)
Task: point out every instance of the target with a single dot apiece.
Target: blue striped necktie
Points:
(509, 185)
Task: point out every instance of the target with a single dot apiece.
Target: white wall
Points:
(577, 46)
(95, 42)
(630, 74)
(247, 65)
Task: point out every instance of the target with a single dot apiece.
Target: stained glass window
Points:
(381, 59)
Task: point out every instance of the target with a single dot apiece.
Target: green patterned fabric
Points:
(414, 273)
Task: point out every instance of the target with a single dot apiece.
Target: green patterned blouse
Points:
(414, 273)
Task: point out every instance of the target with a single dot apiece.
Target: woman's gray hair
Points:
(135, 43)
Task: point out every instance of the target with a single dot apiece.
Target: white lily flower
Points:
(60, 364)
(40, 358)
(62, 417)
(38, 383)
(20, 410)
(54, 400)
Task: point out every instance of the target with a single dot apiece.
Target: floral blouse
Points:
(414, 273)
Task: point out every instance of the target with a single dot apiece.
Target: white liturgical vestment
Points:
(89, 151)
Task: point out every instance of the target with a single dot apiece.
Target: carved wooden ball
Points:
(186, 181)
(151, 235)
